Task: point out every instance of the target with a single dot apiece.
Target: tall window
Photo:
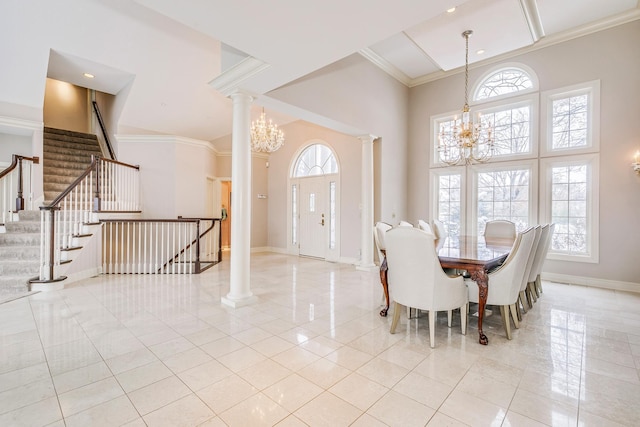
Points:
(503, 194)
(504, 187)
(571, 117)
(507, 188)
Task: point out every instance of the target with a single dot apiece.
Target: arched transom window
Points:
(502, 82)
(316, 159)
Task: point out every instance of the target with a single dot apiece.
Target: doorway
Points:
(314, 203)
(225, 203)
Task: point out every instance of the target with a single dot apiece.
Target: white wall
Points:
(613, 57)
(14, 144)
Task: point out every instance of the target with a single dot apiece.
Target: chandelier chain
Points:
(465, 141)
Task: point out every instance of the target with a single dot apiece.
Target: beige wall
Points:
(613, 57)
(66, 106)
(355, 92)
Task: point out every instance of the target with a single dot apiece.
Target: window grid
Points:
(511, 130)
(332, 215)
(569, 210)
(502, 82)
(316, 159)
(570, 122)
(294, 214)
(450, 202)
(503, 195)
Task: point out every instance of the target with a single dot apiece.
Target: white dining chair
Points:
(534, 285)
(504, 282)
(405, 224)
(439, 230)
(424, 226)
(418, 279)
(527, 270)
(500, 228)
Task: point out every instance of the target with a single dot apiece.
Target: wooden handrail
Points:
(137, 167)
(104, 129)
(74, 184)
(16, 158)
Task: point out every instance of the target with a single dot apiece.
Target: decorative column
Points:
(240, 279)
(366, 213)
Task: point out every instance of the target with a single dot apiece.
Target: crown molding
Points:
(386, 66)
(15, 126)
(172, 139)
(545, 41)
(230, 80)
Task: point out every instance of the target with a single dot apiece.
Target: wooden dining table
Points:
(476, 256)
(473, 256)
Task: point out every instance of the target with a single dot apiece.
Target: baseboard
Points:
(284, 251)
(592, 282)
(81, 275)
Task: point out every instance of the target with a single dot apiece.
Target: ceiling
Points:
(413, 41)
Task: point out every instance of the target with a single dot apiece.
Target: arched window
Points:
(503, 81)
(316, 159)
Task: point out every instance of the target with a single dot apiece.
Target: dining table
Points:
(470, 255)
(474, 256)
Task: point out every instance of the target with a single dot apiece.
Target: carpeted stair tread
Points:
(22, 253)
(20, 239)
(80, 157)
(23, 226)
(19, 267)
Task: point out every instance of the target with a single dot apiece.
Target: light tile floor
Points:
(162, 351)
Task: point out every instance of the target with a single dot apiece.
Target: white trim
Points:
(472, 191)
(591, 88)
(283, 251)
(14, 126)
(172, 139)
(386, 66)
(593, 205)
(490, 106)
(230, 80)
(435, 192)
(591, 282)
(547, 41)
(505, 66)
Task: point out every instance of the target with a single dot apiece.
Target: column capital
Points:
(241, 95)
(367, 137)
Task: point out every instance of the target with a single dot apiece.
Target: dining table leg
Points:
(482, 279)
(385, 286)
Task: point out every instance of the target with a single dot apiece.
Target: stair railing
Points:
(160, 246)
(12, 184)
(103, 128)
(104, 183)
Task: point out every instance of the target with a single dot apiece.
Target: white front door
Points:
(314, 219)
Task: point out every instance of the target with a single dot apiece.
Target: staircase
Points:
(19, 255)
(66, 155)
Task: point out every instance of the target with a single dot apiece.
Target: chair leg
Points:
(396, 317)
(449, 317)
(531, 287)
(432, 327)
(539, 284)
(523, 301)
(528, 295)
(505, 320)
(514, 315)
(463, 318)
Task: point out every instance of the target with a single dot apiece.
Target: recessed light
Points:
(88, 75)
(451, 10)
(480, 51)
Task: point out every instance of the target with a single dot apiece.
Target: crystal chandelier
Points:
(265, 137)
(463, 142)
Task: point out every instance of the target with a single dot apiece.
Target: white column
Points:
(240, 279)
(366, 213)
